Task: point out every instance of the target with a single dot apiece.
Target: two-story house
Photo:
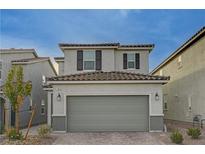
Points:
(105, 87)
(35, 70)
(184, 94)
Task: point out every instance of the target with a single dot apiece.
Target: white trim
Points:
(156, 115)
(156, 131)
(65, 107)
(150, 100)
(117, 81)
(58, 115)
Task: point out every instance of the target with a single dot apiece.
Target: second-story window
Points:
(89, 60)
(1, 67)
(131, 61)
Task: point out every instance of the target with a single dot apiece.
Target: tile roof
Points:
(106, 76)
(106, 44)
(89, 45)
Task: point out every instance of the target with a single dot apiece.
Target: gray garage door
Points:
(107, 113)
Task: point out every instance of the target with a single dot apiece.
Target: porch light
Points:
(59, 97)
(156, 96)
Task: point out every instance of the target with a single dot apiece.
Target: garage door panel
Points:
(108, 113)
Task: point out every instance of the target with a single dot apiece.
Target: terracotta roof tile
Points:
(80, 44)
(106, 76)
(105, 44)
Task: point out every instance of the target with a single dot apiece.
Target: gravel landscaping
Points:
(32, 140)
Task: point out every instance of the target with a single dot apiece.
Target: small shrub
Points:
(176, 137)
(13, 135)
(194, 132)
(44, 131)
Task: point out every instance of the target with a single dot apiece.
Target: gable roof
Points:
(34, 60)
(106, 45)
(19, 50)
(183, 47)
(107, 76)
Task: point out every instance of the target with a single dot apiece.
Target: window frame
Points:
(134, 61)
(89, 60)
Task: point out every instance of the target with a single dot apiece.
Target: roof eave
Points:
(88, 47)
(110, 82)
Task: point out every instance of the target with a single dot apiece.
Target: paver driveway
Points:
(109, 138)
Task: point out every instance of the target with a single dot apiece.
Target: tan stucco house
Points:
(184, 94)
(35, 70)
(105, 87)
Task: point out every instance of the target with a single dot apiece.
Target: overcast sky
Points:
(44, 29)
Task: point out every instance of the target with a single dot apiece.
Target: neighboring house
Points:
(184, 95)
(60, 62)
(105, 87)
(36, 69)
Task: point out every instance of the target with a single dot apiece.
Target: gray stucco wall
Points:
(156, 123)
(6, 61)
(38, 94)
(187, 85)
(59, 123)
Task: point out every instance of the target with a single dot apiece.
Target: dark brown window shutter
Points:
(137, 61)
(98, 59)
(124, 61)
(79, 60)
